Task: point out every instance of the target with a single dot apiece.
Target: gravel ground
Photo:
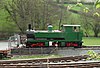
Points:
(75, 52)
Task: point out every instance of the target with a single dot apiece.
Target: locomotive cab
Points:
(73, 35)
(71, 28)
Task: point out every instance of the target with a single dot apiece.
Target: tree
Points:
(37, 12)
(91, 17)
(17, 12)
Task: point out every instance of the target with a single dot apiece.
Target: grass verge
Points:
(88, 41)
(34, 56)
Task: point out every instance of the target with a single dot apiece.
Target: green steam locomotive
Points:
(68, 36)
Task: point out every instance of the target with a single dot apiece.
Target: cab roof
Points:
(71, 25)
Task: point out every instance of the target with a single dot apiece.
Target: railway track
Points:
(64, 62)
(54, 65)
(61, 59)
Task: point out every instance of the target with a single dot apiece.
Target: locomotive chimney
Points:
(29, 27)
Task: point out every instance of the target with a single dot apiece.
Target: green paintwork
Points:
(73, 36)
(49, 35)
